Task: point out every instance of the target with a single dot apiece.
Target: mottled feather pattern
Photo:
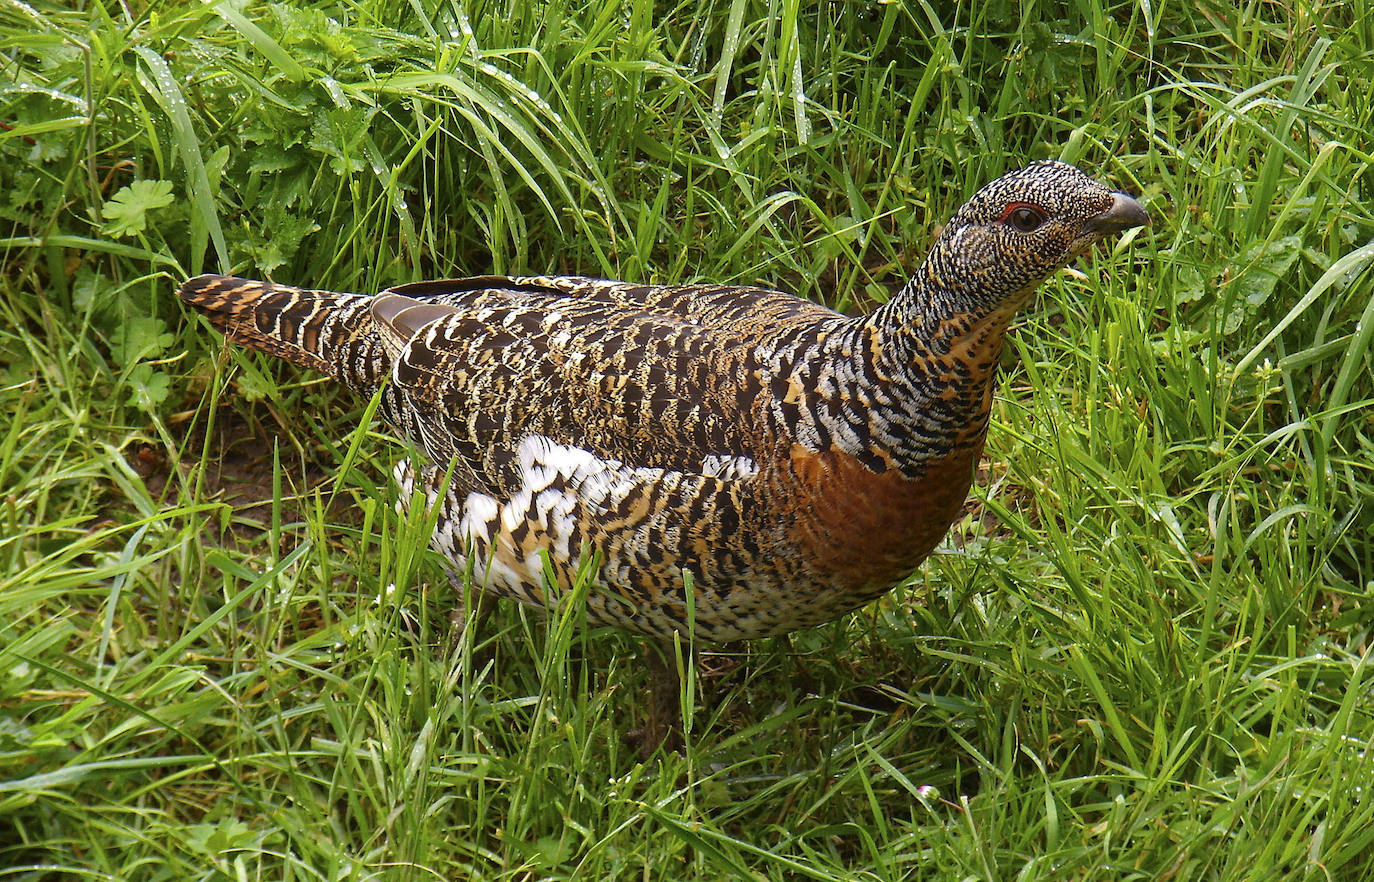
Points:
(794, 462)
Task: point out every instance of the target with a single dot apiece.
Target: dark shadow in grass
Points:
(238, 447)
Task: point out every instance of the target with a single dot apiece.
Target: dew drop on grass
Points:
(465, 28)
(799, 102)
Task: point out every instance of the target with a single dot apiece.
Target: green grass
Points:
(1144, 657)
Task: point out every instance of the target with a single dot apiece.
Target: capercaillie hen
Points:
(797, 463)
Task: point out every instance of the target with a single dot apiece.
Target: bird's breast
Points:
(862, 530)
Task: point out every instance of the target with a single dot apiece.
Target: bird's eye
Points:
(1024, 217)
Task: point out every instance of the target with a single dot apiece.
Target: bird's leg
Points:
(465, 615)
(663, 716)
(801, 676)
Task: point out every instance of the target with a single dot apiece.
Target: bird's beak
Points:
(1123, 214)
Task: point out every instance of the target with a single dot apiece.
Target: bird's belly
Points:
(766, 554)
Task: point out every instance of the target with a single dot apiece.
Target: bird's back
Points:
(659, 376)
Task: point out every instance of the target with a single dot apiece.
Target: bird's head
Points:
(1019, 229)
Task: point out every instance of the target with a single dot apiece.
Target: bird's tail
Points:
(328, 332)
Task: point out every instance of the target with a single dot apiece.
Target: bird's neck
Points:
(931, 321)
(936, 351)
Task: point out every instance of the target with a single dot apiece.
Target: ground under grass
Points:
(1143, 654)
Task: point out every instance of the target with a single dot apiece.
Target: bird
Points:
(731, 462)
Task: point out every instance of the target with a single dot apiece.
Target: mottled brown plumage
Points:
(795, 462)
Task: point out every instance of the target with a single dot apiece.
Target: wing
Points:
(630, 386)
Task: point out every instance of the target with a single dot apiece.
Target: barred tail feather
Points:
(327, 332)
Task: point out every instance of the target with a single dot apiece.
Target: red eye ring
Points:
(1025, 217)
